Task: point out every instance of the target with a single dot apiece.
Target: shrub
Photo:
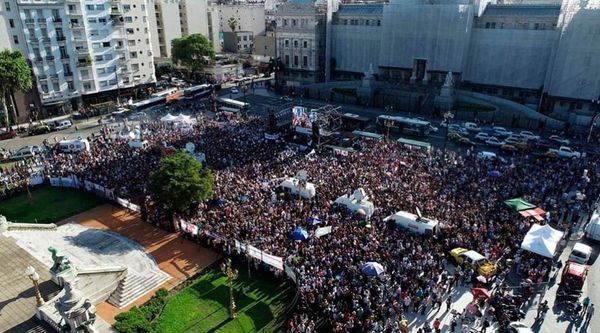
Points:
(140, 320)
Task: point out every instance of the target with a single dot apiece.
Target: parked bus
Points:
(404, 125)
(170, 94)
(231, 105)
(148, 103)
(351, 122)
(200, 91)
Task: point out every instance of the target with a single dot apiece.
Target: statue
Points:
(61, 263)
(77, 312)
(449, 82)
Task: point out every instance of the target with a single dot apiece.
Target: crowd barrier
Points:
(97, 189)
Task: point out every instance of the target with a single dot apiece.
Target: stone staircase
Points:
(134, 285)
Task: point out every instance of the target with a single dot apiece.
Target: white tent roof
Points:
(542, 240)
(181, 118)
(168, 118)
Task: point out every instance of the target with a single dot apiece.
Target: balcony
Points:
(42, 21)
(87, 78)
(61, 38)
(57, 20)
(68, 74)
(38, 59)
(50, 58)
(82, 51)
(84, 62)
(64, 57)
(42, 77)
(29, 21)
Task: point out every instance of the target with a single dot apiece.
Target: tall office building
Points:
(81, 51)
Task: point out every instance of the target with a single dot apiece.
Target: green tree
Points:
(14, 75)
(181, 182)
(192, 51)
(276, 66)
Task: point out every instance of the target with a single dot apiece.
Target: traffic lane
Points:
(84, 130)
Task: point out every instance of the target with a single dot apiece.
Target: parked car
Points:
(512, 140)
(482, 136)
(235, 90)
(494, 141)
(472, 127)
(8, 135)
(518, 327)
(529, 136)
(509, 147)
(24, 152)
(457, 129)
(581, 253)
(559, 140)
(501, 131)
(39, 129)
(61, 125)
(454, 136)
(475, 260)
(544, 144)
(565, 152)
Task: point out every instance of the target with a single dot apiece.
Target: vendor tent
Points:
(168, 118)
(542, 240)
(181, 118)
(518, 204)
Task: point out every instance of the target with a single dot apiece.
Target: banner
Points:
(272, 260)
(129, 205)
(290, 272)
(188, 227)
(254, 252)
(36, 180)
(322, 231)
(88, 185)
(55, 181)
(271, 136)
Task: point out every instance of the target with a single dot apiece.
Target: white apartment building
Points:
(248, 17)
(170, 19)
(79, 49)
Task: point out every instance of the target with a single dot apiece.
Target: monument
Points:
(367, 89)
(445, 100)
(61, 268)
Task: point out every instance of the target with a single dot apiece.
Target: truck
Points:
(592, 232)
(413, 223)
(565, 152)
(475, 260)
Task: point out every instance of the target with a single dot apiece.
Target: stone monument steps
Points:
(134, 286)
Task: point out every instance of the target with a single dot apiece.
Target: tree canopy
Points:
(192, 51)
(14, 75)
(181, 182)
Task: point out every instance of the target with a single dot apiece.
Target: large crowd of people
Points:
(456, 190)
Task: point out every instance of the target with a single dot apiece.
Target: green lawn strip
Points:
(204, 306)
(47, 204)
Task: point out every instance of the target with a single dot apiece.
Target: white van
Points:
(137, 144)
(73, 146)
(24, 152)
(592, 232)
(581, 253)
(292, 186)
(413, 223)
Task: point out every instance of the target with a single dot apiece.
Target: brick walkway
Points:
(176, 256)
(17, 300)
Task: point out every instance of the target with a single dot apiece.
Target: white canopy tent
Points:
(168, 118)
(542, 240)
(181, 118)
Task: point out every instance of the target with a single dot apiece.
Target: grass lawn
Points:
(204, 306)
(48, 204)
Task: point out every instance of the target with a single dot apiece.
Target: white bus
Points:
(199, 91)
(148, 103)
(405, 125)
(232, 105)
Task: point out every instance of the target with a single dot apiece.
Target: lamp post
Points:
(231, 274)
(34, 277)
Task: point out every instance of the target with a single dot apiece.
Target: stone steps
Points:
(133, 286)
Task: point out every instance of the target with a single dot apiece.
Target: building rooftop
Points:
(523, 10)
(366, 9)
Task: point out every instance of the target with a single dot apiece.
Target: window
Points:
(287, 42)
(106, 44)
(63, 51)
(133, 54)
(245, 38)
(493, 25)
(305, 61)
(59, 33)
(367, 22)
(70, 85)
(87, 86)
(16, 39)
(129, 31)
(90, 7)
(55, 13)
(92, 20)
(102, 20)
(128, 19)
(284, 21)
(95, 46)
(108, 57)
(7, 6)
(295, 43)
(344, 22)
(131, 42)
(536, 26)
(66, 68)
(98, 58)
(71, 8)
(100, 71)
(487, 25)
(143, 7)
(11, 22)
(44, 88)
(378, 22)
(295, 60)
(287, 60)
(294, 23)
(305, 44)
(55, 86)
(135, 67)
(126, 8)
(103, 84)
(94, 33)
(99, 7)
(44, 32)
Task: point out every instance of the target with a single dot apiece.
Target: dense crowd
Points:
(458, 191)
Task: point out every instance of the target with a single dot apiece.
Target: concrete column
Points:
(413, 76)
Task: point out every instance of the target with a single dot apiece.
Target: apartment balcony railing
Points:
(57, 20)
(84, 63)
(50, 58)
(41, 20)
(61, 38)
(42, 77)
(29, 21)
(65, 57)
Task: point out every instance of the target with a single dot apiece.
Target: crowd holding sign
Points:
(365, 273)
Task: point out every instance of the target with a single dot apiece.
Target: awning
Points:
(518, 204)
(542, 240)
(415, 143)
(367, 135)
(535, 213)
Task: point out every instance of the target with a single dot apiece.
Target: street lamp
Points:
(34, 277)
(231, 274)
